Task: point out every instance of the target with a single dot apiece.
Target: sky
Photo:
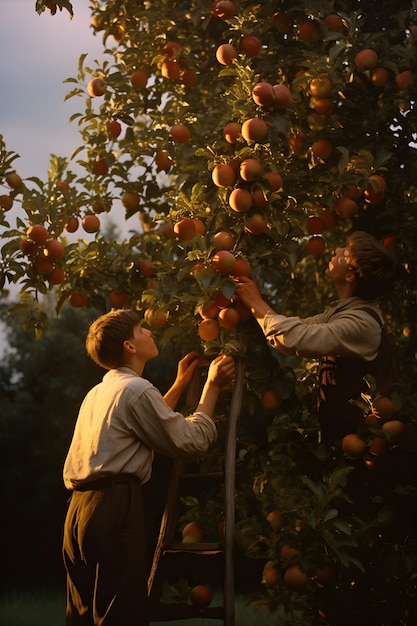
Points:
(37, 53)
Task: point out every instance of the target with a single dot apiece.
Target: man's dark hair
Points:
(375, 265)
(106, 335)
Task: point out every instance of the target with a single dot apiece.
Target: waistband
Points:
(107, 481)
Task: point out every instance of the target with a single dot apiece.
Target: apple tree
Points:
(239, 138)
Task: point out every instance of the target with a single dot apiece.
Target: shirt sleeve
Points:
(348, 334)
(170, 433)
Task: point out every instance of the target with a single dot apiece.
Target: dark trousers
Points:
(104, 552)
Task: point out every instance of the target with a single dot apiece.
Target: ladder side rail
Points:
(229, 493)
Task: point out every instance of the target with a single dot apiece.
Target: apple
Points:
(282, 96)
(346, 208)
(221, 300)
(188, 77)
(232, 131)
(91, 223)
(13, 180)
(251, 46)
(353, 445)
(170, 49)
(229, 318)
(180, 133)
(6, 202)
(208, 329)
(226, 54)
(315, 225)
(56, 276)
(379, 76)
(295, 577)
(321, 149)
(275, 517)
(366, 59)
(334, 23)
(404, 79)
(117, 299)
(78, 299)
(271, 576)
(96, 87)
(194, 530)
(241, 268)
(223, 240)
(375, 191)
(315, 245)
(54, 249)
(100, 167)
(255, 224)
(146, 268)
(224, 9)
(37, 233)
(138, 79)
(223, 261)
(163, 161)
(260, 199)
(254, 129)
(209, 310)
(28, 247)
(281, 22)
(321, 87)
(171, 70)
(130, 200)
(271, 401)
(274, 179)
(223, 175)
(322, 106)
(201, 595)
(114, 128)
(240, 200)
(185, 229)
(251, 170)
(43, 265)
(155, 319)
(309, 31)
(263, 94)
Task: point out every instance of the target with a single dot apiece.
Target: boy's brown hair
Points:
(374, 264)
(106, 335)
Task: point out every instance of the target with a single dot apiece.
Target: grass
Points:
(47, 608)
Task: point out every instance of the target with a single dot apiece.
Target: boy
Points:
(346, 337)
(121, 422)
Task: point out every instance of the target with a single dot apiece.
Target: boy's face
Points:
(340, 265)
(143, 343)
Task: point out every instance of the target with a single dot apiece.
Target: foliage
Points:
(369, 128)
(42, 384)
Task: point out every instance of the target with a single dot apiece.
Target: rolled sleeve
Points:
(350, 334)
(170, 433)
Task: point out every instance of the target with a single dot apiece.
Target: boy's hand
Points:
(221, 370)
(186, 368)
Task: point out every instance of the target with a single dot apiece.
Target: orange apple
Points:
(254, 129)
(226, 54)
(96, 87)
(185, 229)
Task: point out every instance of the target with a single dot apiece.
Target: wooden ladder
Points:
(189, 553)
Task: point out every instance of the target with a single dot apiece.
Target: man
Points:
(346, 337)
(121, 422)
